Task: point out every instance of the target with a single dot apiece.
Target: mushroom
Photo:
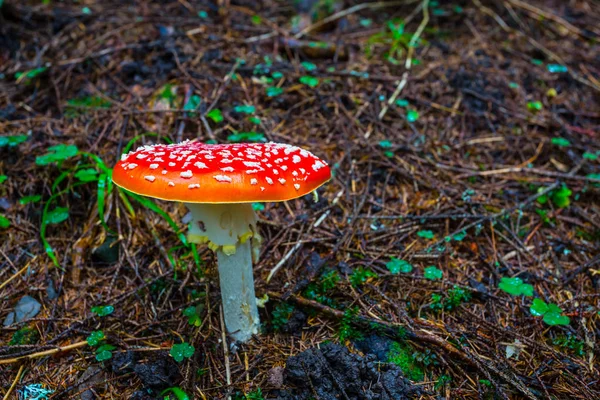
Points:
(218, 183)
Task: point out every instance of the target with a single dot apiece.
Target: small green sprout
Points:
(87, 175)
(177, 392)
(28, 75)
(560, 142)
(571, 343)
(560, 197)
(216, 115)
(181, 351)
(57, 153)
(273, 91)
(455, 297)
(95, 338)
(245, 109)
(56, 216)
(281, 315)
(103, 311)
(361, 275)
(590, 156)
(256, 20)
(310, 81)
(247, 137)
(402, 103)
(307, 65)
(396, 266)
(12, 141)
(412, 116)
(254, 120)
(426, 234)
(556, 68)
(104, 352)
(4, 222)
(401, 355)
(346, 330)
(192, 104)
(551, 313)
(433, 273)
(193, 315)
(535, 106)
(25, 335)
(3, 178)
(30, 199)
(277, 75)
(515, 286)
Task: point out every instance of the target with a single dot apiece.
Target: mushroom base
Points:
(230, 231)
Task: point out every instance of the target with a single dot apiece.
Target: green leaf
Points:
(4, 222)
(181, 351)
(27, 75)
(103, 311)
(244, 109)
(95, 338)
(361, 275)
(56, 216)
(87, 175)
(30, 199)
(561, 196)
(307, 65)
(254, 120)
(433, 273)
(57, 153)
(556, 68)
(309, 81)
(553, 318)
(3, 178)
(258, 206)
(459, 236)
(247, 137)
(396, 266)
(273, 91)
(104, 352)
(561, 142)
(412, 116)
(193, 316)
(12, 141)
(426, 234)
(538, 307)
(179, 394)
(277, 75)
(535, 106)
(256, 19)
(385, 144)
(590, 156)
(515, 286)
(216, 115)
(402, 103)
(192, 104)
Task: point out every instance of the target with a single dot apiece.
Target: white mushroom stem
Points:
(230, 231)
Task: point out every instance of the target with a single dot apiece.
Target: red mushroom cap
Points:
(194, 172)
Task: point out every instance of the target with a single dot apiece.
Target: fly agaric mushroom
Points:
(218, 183)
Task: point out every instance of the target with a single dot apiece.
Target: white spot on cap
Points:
(153, 166)
(262, 189)
(269, 180)
(296, 159)
(226, 161)
(284, 167)
(227, 169)
(194, 186)
(158, 159)
(171, 184)
(253, 181)
(132, 166)
(302, 170)
(251, 171)
(317, 165)
(186, 174)
(223, 178)
(141, 156)
(297, 186)
(251, 164)
(295, 173)
(164, 172)
(275, 171)
(281, 180)
(172, 164)
(150, 178)
(200, 165)
(124, 157)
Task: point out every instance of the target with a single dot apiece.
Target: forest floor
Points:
(454, 254)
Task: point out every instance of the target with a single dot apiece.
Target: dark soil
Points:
(331, 372)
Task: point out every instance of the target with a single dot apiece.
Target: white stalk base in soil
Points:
(237, 293)
(230, 231)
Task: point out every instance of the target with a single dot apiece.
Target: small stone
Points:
(26, 308)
